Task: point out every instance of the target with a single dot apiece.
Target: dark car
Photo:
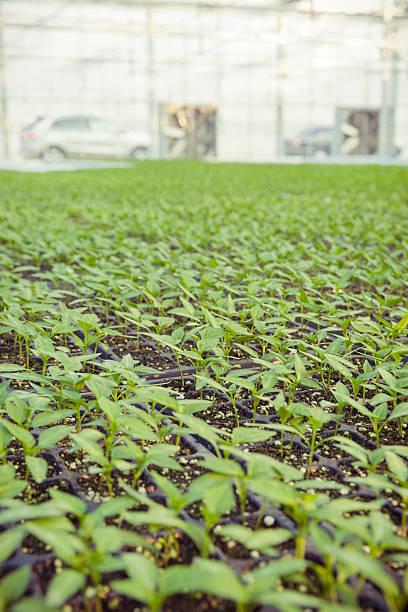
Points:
(315, 141)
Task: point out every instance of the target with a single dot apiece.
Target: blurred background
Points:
(246, 80)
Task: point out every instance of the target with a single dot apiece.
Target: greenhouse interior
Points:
(203, 306)
(240, 80)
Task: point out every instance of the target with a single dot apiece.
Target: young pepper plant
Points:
(316, 418)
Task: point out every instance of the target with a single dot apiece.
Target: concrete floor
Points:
(39, 165)
(339, 160)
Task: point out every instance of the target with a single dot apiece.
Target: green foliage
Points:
(276, 296)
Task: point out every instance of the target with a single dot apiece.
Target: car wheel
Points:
(139, 153)
(54, 154)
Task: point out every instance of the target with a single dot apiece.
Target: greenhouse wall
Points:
(272, 70)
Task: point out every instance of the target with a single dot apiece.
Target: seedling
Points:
(242, 274)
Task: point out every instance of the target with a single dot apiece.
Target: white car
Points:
(54, 138)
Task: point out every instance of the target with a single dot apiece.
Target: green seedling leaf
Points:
(342, 505)
(299, 368)
(274, 491)
(369, 568)
(33, 604)
(10, 367)
(50, 417)
(249, 435)
(100, 387)
(17, 410)
(219, 499)
(208, 576)
(341, 390)
(64, 544)
(263, 540)
(380, 398)
(210, 318)
(117, 505)
(201, 428)
(63, 586)
(136, 566)
(44, 345)
(401, 410)
(320, 485)
(345, 399)
(38, 467)
(388, 378)
(88, 441)
(20, 511)
(137, 429)
(192, 406)
(9, 485)
(109, 539)
(21, 434)
(247, 349)
(25, 376)
(236, 328)
(340, 364)
(13, 586)
(68, 503)
(261, 582)
(402, 324)
(226, 467)
(396, 465)
(292, 601)
(10, 540)
(50, 437)
(402, 451)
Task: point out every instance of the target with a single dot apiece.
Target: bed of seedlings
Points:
(203, 389)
